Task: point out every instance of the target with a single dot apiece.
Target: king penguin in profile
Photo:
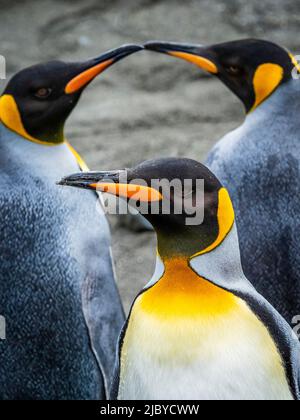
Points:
(57, 290)
(259, 162)
(199, 330)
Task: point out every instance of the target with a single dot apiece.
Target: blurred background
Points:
(148, 105)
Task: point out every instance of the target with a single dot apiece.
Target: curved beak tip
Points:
(98, 65)
(157, 46)
(122, 52)
(133, 47)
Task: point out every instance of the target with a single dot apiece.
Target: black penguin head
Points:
(252, 69)
(186, 204)
(38, 100)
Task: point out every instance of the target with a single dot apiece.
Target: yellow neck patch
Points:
(10, 116)
(81, 163)
(225, 221)
(266, 79)
(181, 293)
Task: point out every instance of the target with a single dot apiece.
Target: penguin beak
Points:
(196, 54)
(115, 183)
(92, 68)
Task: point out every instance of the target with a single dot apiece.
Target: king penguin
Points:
(259, 161)
(199, 330)
(57, 291)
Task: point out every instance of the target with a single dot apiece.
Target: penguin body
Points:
(57, 288)
(259, 162)
(192, 358)
(265, 152)
(57, 284)
(199, 330)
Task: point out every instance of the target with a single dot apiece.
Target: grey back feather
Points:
(259, 164)
(57, 288)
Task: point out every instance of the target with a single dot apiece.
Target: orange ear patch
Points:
(11, 118)
(266, 79)
(225, 220)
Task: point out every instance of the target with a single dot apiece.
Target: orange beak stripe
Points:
(87, 76)
(201, 62)
(133, 192)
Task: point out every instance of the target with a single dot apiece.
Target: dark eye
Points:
(234, 70)
(43, 93)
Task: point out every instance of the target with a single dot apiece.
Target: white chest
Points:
(225, 358)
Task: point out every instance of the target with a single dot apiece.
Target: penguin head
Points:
(252, 69)
(38, 100)
(186, 204)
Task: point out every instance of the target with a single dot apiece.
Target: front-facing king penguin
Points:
(259, 162)
(57, 291)
(198, 330)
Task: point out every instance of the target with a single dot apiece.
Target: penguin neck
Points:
(63, 152)
(173, 244)
(52, 134)
(218, 261)
(178, 292)
(190, 286)
(285, 100)
(222, 266)
(52, 137)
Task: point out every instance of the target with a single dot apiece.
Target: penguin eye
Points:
(234, 70)
(43, 93)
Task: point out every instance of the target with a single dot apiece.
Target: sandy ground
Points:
(148, 105)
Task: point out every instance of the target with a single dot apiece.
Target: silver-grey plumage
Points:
(259, 164)
(57, 290)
